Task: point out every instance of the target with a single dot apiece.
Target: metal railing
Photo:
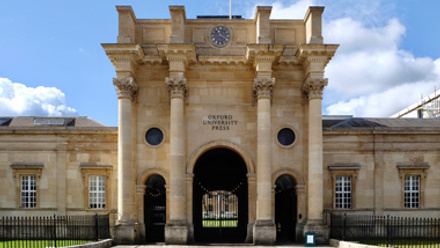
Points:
(386, 230)
(53, 231)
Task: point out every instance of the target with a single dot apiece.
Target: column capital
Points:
(263, 87)
(313, 88)
(126, 87)
(177, 87)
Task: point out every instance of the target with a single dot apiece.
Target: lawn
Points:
(219, 223)
(39, 243)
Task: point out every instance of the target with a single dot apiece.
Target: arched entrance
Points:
(220, 201)
(155, 209)
(285, 208)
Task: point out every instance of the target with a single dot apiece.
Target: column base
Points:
(176, 232)
(126, 233)
(321, 231)
(265, 232)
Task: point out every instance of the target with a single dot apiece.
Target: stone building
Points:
(220, 139)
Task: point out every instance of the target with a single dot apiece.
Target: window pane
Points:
(343, 192)
(28, 191)
(412, 191)
(97, 192)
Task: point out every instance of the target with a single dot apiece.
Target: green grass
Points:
(220, 223)
(39, 243)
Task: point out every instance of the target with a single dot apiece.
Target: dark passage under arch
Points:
(155, 209)
(285, 208)
(220, 201)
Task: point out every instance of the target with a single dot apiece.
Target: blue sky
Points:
(52, 63)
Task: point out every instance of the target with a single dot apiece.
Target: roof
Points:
(38, 121)
(383, 123)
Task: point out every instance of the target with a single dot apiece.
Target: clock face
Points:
(220, 36)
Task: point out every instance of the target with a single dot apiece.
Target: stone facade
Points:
(211, 108)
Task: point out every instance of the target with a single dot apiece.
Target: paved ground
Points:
(216, 246)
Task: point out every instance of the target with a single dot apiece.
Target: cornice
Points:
(264, 52)
(318, 53)
(123, 52)
(221, 67)
(177, 52)
(222, 60)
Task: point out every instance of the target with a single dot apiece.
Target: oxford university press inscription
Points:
(219, 122)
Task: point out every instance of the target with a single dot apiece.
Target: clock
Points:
(220, 36)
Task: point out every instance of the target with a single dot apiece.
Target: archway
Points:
(220, 197)
(155, 209)
(285, 208)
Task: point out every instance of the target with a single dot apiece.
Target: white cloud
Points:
(381, 104)
(370, 75)
(294, 11)
(19, 100)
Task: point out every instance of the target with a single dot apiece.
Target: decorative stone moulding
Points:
(316, 53)
(314, 88)
(263, 53)
(177, 87)
(420, 169)
(263, 87)
(177, 52)
(126, 87)
(123, 52)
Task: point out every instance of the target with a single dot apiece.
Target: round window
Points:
(286, 136)
(154, 136)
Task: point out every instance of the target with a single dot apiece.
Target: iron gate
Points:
(219, 209)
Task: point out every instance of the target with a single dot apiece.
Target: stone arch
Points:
(299, 179)
(143, 177)
(199, 151)
(149, 231)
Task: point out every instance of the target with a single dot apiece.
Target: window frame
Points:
(410, 200)
(89, 171)
(96, 199)
(20, 170)
(413, 170)
(340, 194)
(344, 170)
(28, 192)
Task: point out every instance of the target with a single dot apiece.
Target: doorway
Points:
(220, 200)
(285, 208)
(155, 209)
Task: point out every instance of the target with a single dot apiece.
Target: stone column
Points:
(125, 229)
(176, 230)
(264, 228)
(140, 194)
(314, 88)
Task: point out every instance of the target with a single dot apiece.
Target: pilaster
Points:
(315, 196)
(126, 230)
(178, 56)
(263, 57)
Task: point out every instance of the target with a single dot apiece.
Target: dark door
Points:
(285, 209)
(220, 203)
(155, 209)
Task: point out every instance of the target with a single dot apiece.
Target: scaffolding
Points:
(428, 107)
